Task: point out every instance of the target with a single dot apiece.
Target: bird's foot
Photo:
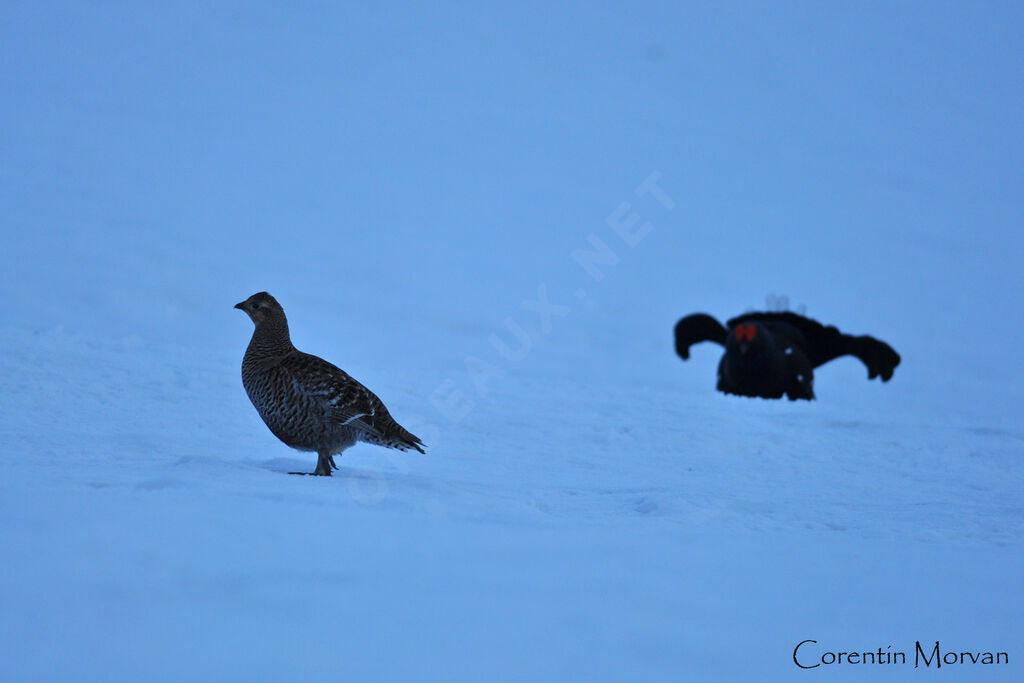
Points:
(324, 464)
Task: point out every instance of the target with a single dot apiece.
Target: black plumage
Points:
(772, 355)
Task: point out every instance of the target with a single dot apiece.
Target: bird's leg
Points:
(324, 461)
(334, 465)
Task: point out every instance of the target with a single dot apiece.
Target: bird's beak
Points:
(240, 305)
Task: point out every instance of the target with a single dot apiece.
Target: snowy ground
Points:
(404, 180)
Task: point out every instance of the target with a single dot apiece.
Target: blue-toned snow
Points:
(410, 181)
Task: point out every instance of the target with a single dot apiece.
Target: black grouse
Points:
(308, 403)
(774, 354)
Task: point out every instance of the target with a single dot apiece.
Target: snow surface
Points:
(407, 179)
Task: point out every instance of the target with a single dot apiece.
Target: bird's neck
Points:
(271, 338)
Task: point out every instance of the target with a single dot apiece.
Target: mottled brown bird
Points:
(306, 402)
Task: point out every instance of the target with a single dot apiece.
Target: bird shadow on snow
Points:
(283, 465)
(365, 484)
(182, 471)
(299, 466)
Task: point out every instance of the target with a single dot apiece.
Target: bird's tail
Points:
(402, 439)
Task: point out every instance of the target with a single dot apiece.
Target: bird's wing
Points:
(696, 328)
(343, 400)
(825, 343)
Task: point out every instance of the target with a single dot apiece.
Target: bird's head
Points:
(261, 307)
(744, 335)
